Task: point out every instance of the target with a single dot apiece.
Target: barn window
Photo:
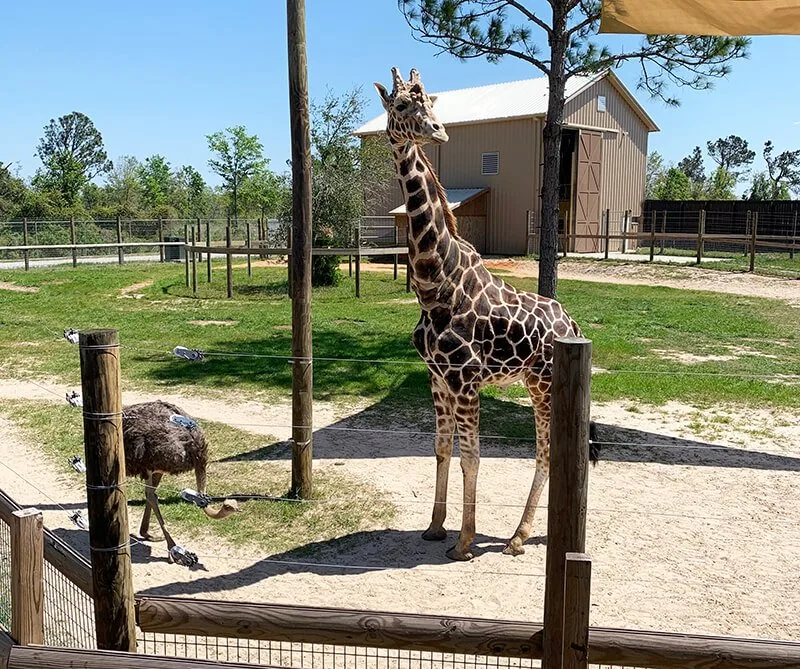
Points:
(490, 162)
(601, 103)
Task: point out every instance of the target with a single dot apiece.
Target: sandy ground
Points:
(684, 537)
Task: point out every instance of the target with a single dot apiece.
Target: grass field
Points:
(639, 332)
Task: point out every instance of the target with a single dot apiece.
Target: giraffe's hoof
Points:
(434, 534)
(514, 547)
(455, 553)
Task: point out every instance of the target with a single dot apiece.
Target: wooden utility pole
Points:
(109, 538)
(569, 469)
(302, 377)
(27, 583)
(577, 591)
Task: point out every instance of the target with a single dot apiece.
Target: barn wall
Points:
(624, 155)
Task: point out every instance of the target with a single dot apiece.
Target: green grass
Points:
(626, 323)
(768, 264)
(240, 462)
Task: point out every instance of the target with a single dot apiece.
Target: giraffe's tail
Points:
(594, 446)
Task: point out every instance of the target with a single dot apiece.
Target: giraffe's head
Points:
(409, 109)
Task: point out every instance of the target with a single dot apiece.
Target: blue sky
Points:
(157, 77)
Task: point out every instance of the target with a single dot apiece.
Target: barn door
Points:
(587, 190)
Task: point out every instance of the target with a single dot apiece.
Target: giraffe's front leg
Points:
(467, 419)
(541, 408)
(445, 428)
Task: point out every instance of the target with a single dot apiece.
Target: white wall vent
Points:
(490, 162)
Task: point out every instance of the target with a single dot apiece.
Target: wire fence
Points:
(5, 576)
(68, 611)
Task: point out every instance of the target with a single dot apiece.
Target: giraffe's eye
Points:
(401, 107)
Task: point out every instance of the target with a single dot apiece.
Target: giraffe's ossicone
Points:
(474, 329)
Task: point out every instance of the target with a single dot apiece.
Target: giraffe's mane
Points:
(449, 216)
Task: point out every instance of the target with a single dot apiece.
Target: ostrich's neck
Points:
(216, 514)
(433, 252)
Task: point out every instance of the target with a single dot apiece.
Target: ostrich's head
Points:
(409, 110)
(228, 508)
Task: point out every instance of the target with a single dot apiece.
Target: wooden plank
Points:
(569, 469)
(27, 583)
(7, 508)
(300, 266)
(374, 629)
(38, 247)
(62, 658)
(684, 651)
(577, 591)
(105, 480)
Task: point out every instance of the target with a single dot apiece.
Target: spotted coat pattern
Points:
(474, 329)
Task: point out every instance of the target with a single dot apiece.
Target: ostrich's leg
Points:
(152, 482)
(445, 427)
(541, 409)
(152, 499)
(200, 476)
(467, 413)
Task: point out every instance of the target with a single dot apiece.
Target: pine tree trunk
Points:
(551, 135)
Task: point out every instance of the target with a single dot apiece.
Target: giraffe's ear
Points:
(384, 95)
(433, 99)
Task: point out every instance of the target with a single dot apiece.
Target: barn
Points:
(495, 152)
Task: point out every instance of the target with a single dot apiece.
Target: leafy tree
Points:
(692, 166)
(12, 191)
(263, 192)
(654, 174)
(676, 186)
(762, 188)
(191, 192)
(344, 172)
(721, 185)
(569, 47)
(123, 187)
(732, 154)
(783, 170)
(238, 156)
(157, 184)
(72, 153)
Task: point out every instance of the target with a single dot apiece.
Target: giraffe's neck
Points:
(434, 255)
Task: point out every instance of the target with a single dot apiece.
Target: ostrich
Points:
(154, 446)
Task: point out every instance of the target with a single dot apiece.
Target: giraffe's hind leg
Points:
(539, 389)
(445, 428)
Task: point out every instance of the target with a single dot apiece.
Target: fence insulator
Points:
(197, 498)
(76, 461)
(185, 421)
(75, 399)
(191, 354)
(71, 335)
(182, 556)
(79, 520)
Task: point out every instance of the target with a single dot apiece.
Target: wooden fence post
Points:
(358, 260)
(663, 230)
(396, 255)
(625, 222)
(577, 600)
(27, 584)
(701, 230)
(249, 269)
(74, 238)
(161, 239)
(26, 252)
(228, 258)
(653, 224)
(109, 539)
(753, 237)
(194, 264)
(748, 222)
(186, 251)
(607, 233)
(120, 250)
(794, 236)
(569, 468)
(208, 254)
(289, 260)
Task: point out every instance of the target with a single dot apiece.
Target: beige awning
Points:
(701, 17)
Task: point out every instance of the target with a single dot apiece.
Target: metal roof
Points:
(513, 99)
(496, 102)
(455, 198)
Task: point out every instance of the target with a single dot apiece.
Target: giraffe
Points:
(474, 329)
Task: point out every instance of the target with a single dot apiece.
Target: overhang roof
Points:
(455, 198)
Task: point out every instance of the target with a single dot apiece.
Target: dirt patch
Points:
(6, 285)
(135, 287)
(281, 327)
(212, 322)
(689, 526)
(691, 358)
